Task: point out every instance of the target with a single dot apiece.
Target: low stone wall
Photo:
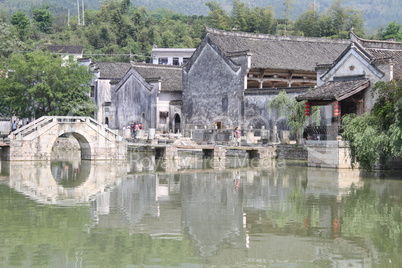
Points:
(291, 152)
(212, 136)
(225, 136)
(331, 154)
(5, 126)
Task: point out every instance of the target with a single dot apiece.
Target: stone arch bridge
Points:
(35, 140)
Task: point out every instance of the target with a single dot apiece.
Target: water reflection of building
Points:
(273, 215)
(129, 203)
(212, 211)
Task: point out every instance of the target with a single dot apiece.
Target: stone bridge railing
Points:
(47, 120)
(35, 140)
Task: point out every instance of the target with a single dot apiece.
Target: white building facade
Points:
(171, 56)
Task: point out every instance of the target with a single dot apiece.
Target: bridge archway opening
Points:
(70, 174)
(71, 145)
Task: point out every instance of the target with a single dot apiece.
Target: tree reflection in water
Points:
(146, 212)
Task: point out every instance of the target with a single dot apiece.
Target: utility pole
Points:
(83, 11)
(78, 11)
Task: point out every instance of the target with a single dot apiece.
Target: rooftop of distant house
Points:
(170, 75)
(63, 49)
(111, 70)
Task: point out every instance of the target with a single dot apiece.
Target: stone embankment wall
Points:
(291, 152)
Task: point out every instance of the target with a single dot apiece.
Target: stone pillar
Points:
(275, 134)
(264, 136)
(171, 153)
(5, 153)
(285, 136)
(219, 153)
(267, 152)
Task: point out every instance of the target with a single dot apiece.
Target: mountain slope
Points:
(377, 13)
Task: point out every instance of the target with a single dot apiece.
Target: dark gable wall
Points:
(256, 111)
(132, 99)
(213, 88)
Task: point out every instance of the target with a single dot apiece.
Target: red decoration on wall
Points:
(307, 109)
(336, 109)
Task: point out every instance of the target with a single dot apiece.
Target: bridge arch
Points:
(85, 147)
(36, 140)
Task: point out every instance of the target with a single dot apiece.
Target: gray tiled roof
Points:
(381, 51)
(112, 70)
(394, 55)
(280, 52)
(335, 90)
(170, 75)
(65, 49)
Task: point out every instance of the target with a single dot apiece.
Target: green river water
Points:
(195, 213)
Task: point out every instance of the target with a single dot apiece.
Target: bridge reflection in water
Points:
(274, 213)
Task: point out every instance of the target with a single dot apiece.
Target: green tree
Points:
(240, 16)
(337, 21)
(388, 108)
(168, 39)
(217, 17)
(309, 23)
(288, 7)
(40, 83)
(21, 21)
(9, 41)
(377, 136)
(261, 20)
(354, 20)
(338, 15)
(125, 5)
(392, 31)
(43, 18)
(292, 110)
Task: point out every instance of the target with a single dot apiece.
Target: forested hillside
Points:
(377, 13)
(121, 31)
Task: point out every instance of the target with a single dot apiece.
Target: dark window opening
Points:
(163, 61)
(225, 104)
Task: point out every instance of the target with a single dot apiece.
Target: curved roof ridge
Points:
(274, 37)
(378, 44)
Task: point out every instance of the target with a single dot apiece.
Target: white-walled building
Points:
(171, 56)
(106, 74)
(150, 94)
(345, 85)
